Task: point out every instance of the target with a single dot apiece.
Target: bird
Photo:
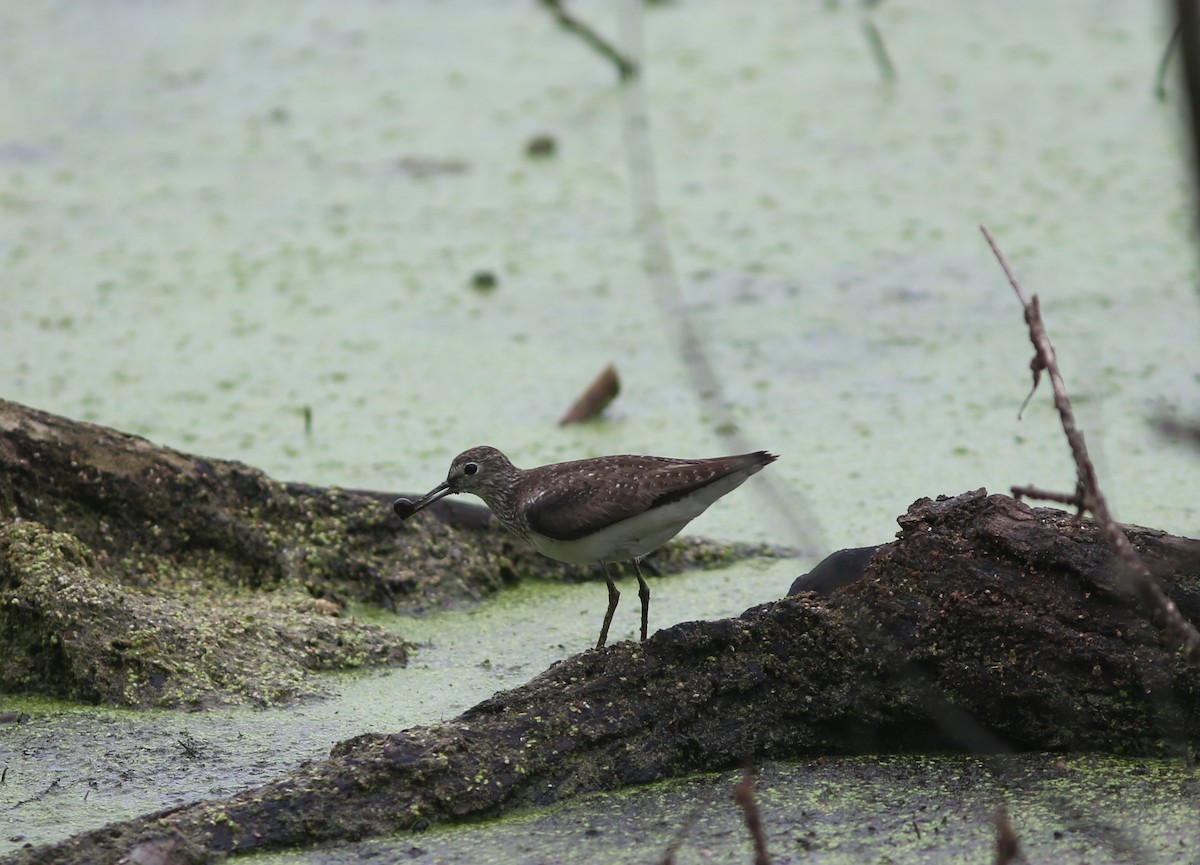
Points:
(594, 511)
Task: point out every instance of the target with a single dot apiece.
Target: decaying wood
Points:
(144, 509)
(986, 622)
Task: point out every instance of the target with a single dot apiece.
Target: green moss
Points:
(189, 643)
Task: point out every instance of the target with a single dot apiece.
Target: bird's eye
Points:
(470, 468)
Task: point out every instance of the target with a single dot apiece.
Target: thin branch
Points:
(1029, 491)
(879, 51)
(1178, 629)
(743, 795)
(1012, 279)
(1187, 15)
(685, 829)
(1008, 845)
(1164, 63)
(626, 68)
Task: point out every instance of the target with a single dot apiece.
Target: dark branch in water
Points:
(626, 68)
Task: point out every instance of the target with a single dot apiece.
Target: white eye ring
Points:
(471, 468)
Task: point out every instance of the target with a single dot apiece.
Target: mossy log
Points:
(988, 625)
(157, 518)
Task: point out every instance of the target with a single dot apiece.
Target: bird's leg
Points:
(644, 595)
(613, 597)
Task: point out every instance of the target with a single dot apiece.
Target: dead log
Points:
(988, 625)
(144, 509)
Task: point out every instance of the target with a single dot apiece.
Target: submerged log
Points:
(988, 625)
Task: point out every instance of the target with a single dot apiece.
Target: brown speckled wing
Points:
(589, 495)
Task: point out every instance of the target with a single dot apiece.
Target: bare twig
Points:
(1187, 14)
(879, 51)
(1008, 845)
(1036, 367)
(1029, 491)
(1164, 610)
(743, 794)
(626, 68)
(1164, 63)
(685, 829)
(189, 745)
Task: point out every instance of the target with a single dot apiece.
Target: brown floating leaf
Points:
(595, 399)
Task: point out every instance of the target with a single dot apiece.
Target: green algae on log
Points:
(74, 632)
(159, 518)
(988, 625)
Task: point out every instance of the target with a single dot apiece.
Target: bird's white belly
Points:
(637, 535)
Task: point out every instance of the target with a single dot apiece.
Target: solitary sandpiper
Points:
(605, 509)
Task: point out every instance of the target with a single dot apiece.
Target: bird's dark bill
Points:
(406, 507)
